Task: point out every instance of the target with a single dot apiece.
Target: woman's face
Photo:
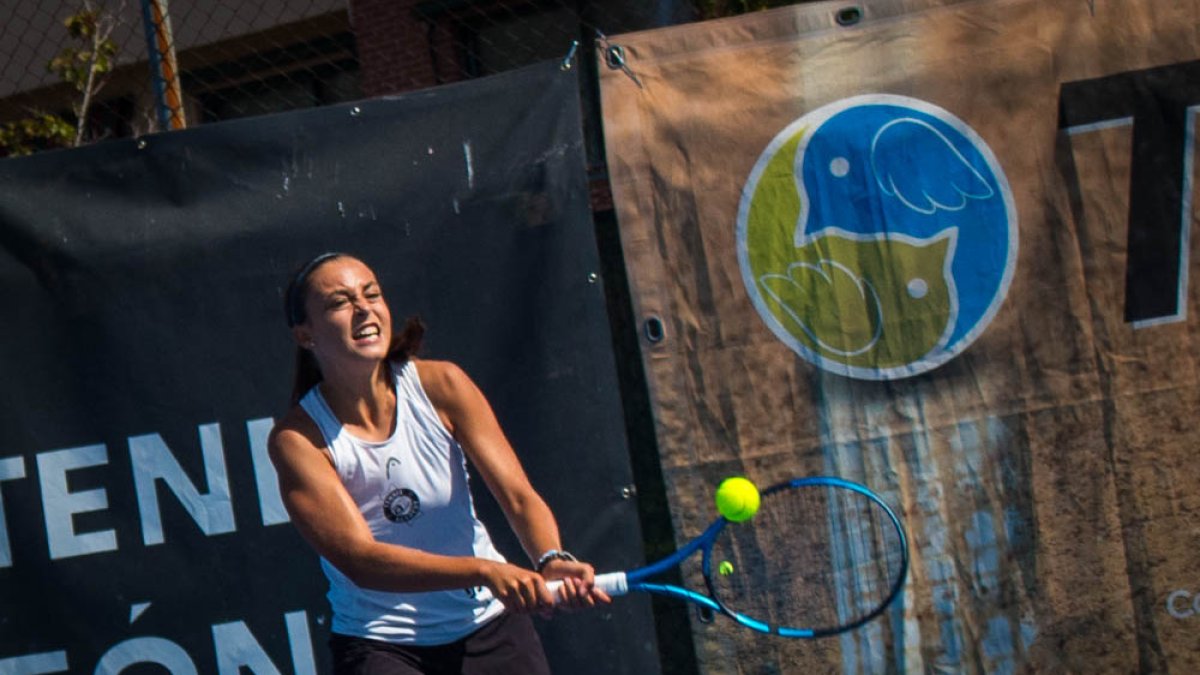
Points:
(347, 315)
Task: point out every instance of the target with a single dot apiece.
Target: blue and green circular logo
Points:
(877, 236)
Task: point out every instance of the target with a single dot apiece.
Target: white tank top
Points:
(412, 491)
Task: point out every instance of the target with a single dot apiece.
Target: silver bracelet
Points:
(553, 554)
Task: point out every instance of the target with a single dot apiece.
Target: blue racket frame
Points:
(637, 578)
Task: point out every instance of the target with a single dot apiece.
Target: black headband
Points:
(294, 302)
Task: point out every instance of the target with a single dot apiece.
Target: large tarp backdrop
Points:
(942, 248)
(144, 356)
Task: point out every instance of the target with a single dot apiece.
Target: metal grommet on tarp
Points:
(848, 16)
(654, 329)
(615, 59)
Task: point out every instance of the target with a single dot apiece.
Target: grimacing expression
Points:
(347, 315)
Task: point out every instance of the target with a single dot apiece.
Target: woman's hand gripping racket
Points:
(821, 556)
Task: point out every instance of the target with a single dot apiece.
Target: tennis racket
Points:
(822, 556)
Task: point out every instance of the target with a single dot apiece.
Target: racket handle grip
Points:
(612, 583)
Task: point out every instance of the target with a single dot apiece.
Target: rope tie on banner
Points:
(614, 57)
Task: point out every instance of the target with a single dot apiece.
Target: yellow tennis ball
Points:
(725, 568)
(737, 499)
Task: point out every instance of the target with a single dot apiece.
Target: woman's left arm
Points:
(467, 415)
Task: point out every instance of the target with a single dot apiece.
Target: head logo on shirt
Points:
(877, 236)
(400, 505)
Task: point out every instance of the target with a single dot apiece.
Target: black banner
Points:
(145, 355)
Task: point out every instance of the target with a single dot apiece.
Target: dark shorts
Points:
(507, 645)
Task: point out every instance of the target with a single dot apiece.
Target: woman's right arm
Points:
(330, 522)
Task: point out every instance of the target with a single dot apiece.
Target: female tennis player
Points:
(372, 468)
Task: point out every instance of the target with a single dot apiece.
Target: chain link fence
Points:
(81, 71)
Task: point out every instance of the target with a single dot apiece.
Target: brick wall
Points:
(393, 46)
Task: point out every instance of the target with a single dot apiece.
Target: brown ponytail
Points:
(307, 374)
(407, 342)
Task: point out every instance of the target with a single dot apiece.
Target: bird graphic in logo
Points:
(400, 505)
(877, 236)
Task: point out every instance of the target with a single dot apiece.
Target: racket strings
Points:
(817, 556)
